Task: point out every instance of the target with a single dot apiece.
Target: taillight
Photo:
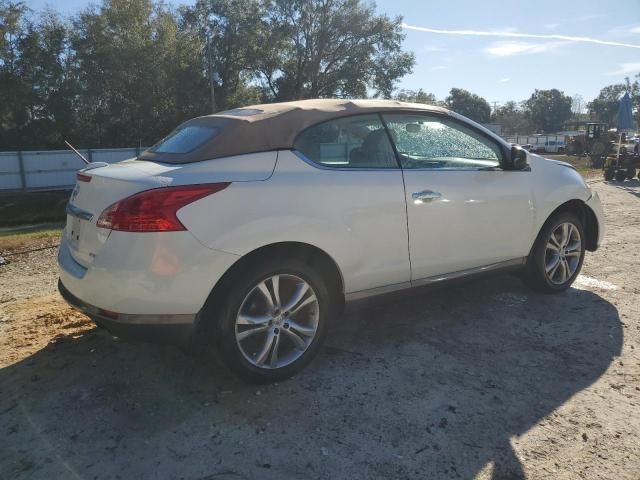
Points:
(154, 210)
(81, 177)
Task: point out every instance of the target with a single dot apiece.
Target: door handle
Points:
(425, 196)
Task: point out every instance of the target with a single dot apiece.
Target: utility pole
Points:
(212, 87)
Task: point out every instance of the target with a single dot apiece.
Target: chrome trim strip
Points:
(78, 212)
(123, 318)
(362, 294)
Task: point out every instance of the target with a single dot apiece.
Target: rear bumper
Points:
(109, 317)
(143, 279)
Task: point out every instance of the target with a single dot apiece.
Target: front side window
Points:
(185, 139)
(434, 142)
(353, 142)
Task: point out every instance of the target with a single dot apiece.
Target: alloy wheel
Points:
(563, 252)
(277, 321)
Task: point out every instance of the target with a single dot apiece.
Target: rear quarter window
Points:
(185, 139)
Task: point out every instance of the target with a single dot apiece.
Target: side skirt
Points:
(436, 279)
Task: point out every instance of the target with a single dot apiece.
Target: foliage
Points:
(548, 110)
(512, 118)
(604, 107)
(469, 104)
(330, 48)
(416, 96)
(126, 72)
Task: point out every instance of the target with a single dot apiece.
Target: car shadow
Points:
(439, 384)
(629, 186)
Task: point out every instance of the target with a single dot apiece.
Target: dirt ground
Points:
(483, 380)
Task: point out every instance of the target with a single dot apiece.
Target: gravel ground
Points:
(483, 380)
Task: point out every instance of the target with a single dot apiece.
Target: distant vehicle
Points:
(253, 226)
(553, 146)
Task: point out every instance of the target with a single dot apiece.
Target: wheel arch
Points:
(586, 216)
(325, 264)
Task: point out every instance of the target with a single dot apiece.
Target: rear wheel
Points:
(631, 172)
(273, 320)
(556, 258)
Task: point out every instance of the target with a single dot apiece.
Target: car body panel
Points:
(481, 218)
(358, 218)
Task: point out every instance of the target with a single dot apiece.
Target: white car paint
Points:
(365, 220)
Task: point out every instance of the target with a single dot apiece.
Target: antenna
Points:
(77, 153)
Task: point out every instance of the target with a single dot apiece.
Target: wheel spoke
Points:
(564, 274)
(554, 241)
(551, 246)
(262, 286)
(553, 265)
(565, 234)
(302, 329)
(266, 349)
(568, 269)
(275, 283)
(274, 353)
(301, 289)
(252, 320)
(554, 269)
(297, 340)
(575, 253)
(251, 331)
(310, 299)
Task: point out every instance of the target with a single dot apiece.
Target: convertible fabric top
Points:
(273, 126)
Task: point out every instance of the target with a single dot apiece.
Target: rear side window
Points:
(185, 139)
(354, 142)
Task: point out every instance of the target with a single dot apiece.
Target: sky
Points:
(504, 50)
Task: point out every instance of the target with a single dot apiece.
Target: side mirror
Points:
(518, 158)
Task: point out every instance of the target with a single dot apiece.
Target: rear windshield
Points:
(185, 139)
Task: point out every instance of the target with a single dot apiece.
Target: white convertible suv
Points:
(255, 225)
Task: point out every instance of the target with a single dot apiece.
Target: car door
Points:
(463, 210)
(350, 182)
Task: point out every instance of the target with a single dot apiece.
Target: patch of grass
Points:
(27, 208)
(25, 240)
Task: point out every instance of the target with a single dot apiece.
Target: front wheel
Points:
(556, 257)
(273, 320)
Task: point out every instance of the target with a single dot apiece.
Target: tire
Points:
(251, 355)
(541, 272)
(621, 175)
(609, 173)
(631, 172)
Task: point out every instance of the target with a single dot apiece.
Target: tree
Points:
(548, 110)
(512, 118)
(604, 107)
(577, 105)
(416, 96)
(139, 74)
(330, 48)
(230, 34)
(469, 104)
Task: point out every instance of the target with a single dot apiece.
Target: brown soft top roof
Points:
(274, 126)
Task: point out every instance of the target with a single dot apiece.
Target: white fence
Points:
(52, 169)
